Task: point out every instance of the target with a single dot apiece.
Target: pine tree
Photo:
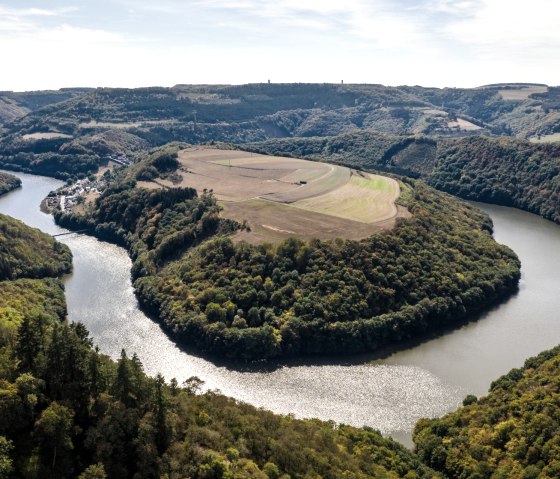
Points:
(123, 386)
(160, 411)
(30, 341)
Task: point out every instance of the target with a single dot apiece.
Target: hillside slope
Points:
(28, 253)
(300, 297)
(31, 263)
(514, 432)
(41, 141)
(500, 170)
(67, 411)
(15, 105)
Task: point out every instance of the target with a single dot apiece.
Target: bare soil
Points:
(521, 93)
(45, 135)
(279, 197)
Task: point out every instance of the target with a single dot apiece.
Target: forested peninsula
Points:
(244, 301)
(8, 183)
(68, 411)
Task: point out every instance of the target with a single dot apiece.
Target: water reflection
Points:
(389, 394)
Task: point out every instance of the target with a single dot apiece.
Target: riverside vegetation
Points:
(250, 302)
(8, 183)
(67, 411)
(514, 432)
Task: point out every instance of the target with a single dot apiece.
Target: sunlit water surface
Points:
(390, 393)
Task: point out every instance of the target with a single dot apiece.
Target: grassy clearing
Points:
(267, 193)
(463, 125)
(521, 93)
(45, 135)
(554, 137)
(123, 125)
(366, 199)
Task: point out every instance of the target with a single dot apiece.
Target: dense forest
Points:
(70, 139)
(14, 105)
(502, 170)
(321, 297)
(514, 432)
(8, 183)
(68, 158)
(67, 411)
(28, 253)
(30, 264)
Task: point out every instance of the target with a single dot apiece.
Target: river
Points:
(389, 392)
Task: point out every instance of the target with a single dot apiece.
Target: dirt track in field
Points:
(280, 197)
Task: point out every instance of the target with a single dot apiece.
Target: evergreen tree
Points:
(160, 413)
(30, 341)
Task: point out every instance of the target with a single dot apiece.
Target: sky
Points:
(130, 43)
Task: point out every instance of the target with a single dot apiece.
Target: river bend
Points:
(427, 379)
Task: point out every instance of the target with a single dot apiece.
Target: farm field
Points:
(365, 198)
(280, 197)
(122, 125)
(463, 125)
(553, 137)
(49, 135)
(521, 93)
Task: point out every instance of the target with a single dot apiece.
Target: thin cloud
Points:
(19, 20)
(502, 23)
(141, 42)
(35, 12)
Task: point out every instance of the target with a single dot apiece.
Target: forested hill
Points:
(514, 432)
(299, 109)
(30, 264)
(8, 183)
(67, 411)
(28, 253)
(59, 139)
(501, 170)
(248, 301)
(14, 105)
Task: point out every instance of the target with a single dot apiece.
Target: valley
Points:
(259, 264)
(279, 240)
(388, 391)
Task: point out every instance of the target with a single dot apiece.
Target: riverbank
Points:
(389, 393)
(301, 298)
(8, 182)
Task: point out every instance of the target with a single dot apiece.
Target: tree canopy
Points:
(248, 301)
